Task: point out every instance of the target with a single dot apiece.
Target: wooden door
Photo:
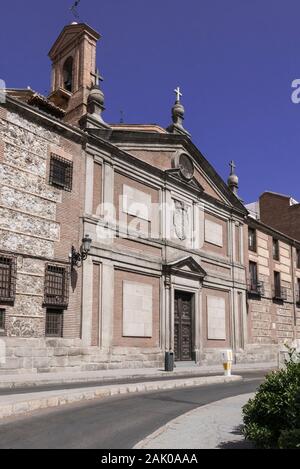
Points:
(183, 330)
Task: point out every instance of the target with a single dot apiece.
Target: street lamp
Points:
(77, 257)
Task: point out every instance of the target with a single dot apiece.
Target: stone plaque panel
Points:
(136, 203)
(213, 233)
(137, 309)
(216, 318)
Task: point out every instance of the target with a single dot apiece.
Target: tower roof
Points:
(69, 33)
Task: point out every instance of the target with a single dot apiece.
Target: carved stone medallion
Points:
(186, 166)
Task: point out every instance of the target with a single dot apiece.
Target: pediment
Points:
(162, 151)
(175, 176)
(187, 267)
(69, 34)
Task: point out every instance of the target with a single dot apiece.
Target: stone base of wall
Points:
(267, 353)
(19, 355)
(251, 354)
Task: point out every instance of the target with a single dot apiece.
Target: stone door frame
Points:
(184, 275)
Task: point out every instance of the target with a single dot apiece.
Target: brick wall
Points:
(276, 211)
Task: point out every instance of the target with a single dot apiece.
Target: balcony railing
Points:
(280, 293)
(256, 288)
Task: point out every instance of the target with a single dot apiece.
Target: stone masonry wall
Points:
(271, 322)
(32, 214)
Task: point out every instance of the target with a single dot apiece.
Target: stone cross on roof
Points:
(97, 77)
(178, 94)
(232, 166)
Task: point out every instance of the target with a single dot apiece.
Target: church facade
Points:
(121, 242)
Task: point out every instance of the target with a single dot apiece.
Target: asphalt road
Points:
(113, 423)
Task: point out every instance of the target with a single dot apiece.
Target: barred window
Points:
(61, 172)
(56, 286)
(2, 320)
(7, 278)
(54, 323)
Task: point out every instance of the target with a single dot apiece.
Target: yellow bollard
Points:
(227, 361)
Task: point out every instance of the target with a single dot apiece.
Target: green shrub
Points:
(275, 409)
(289, 439)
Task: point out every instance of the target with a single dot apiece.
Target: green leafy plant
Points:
(289, 439)
(272, 417)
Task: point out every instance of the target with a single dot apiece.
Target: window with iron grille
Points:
(61, 172)
(252, 239)
(7, 278)
(255, 286)
(280, 293)
(2, 320)
(277, 285)
(54, 323)
(253, 275)
(56, 286)
(276, 249)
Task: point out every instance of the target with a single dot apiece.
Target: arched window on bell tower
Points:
(68, 74)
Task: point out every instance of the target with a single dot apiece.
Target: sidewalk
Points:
(31, 380)
(214, 426)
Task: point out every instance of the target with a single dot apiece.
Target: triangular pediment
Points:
(69, 34)
(187, 267)
(142, 144)
(192, 184)
(209, 179)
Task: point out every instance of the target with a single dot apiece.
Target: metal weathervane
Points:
(73, 9)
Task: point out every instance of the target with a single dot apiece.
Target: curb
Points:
(8, 382)
(18, 404)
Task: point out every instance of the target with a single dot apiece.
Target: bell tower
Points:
(73, 58)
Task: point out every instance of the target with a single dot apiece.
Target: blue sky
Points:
(235, 61)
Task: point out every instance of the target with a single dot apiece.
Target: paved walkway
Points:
(21, 380)
(214, 426)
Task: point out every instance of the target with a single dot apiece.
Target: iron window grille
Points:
(56, 286)
(2, 320)
(7, 278)
(61, 172)
(54, 323)
(256, 288)
(280, 293)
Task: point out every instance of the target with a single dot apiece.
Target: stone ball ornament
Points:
(95, 101)
(233, 180)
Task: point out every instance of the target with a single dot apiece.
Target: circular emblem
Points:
(186, 166)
